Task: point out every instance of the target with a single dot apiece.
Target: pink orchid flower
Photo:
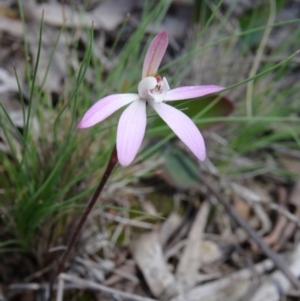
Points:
(152, 90)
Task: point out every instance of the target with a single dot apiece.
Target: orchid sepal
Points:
(155, 53)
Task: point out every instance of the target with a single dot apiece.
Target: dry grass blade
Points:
(126, 221)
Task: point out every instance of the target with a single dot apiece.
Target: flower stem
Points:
(110, 166)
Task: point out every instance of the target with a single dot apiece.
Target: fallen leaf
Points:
(148, 254)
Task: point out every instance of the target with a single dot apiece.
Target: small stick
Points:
(100, 287)
(60, 289)
(110, 166)
(278, 261)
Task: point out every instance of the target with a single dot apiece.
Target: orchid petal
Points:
(105, 107)
(191, 92)
(131, 131)
(155, 53)
(183, 127)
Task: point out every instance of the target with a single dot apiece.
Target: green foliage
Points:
(202, 11)
(48, 176)
(41, 180)
(255, 17)
(181, 170)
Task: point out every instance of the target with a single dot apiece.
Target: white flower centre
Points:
(153, 88)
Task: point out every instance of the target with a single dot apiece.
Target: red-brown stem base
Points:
(110, 166)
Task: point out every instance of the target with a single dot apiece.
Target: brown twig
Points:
(278, 261)
(88, 284)
(110, 166)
